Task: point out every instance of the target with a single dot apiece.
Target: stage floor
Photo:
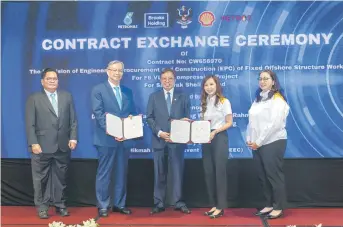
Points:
(26, 216)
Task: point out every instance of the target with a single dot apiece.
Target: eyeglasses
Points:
(264, 79)
(51, 79)
(115, 70)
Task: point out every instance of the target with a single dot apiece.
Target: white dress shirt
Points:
(171, 94)
(114, 90)
(49, 96)
(165, 97)
(267, 120)
(217, 113)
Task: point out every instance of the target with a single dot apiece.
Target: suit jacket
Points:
(43, 127)
(158, 117)
(104, 101)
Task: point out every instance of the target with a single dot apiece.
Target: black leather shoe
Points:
(62, 211)
(259, 213)
(221, 213)
(103, 213)
(156, 210)
(184, 210)
(43, 214)
(276, 216)
(208, 213)
(122, 210)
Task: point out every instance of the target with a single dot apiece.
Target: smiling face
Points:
(115, 73)
(210, 87)
(266, 82)
(168, 80)
(50, 82)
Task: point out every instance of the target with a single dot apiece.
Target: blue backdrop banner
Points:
(301, 41)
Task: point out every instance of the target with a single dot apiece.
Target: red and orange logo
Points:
(206, 19)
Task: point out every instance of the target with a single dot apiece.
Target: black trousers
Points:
(269, 164)
(174, 158)
(49, 178)
(215, 158)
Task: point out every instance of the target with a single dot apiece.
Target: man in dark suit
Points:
(111, 97)
(51, 129)
(163, 106)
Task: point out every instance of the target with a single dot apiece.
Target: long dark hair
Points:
(219, 94)
(276, 88)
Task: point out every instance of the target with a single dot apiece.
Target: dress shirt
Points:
(267, 120)
(217, 113)
(165, 97)
(114, 90)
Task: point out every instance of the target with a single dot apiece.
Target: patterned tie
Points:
(54, 103)
(168, 102)
(118, 96)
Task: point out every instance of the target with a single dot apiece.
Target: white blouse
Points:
(267, 120)
(217, 114)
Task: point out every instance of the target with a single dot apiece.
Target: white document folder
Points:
(124, 127)
(190, 132)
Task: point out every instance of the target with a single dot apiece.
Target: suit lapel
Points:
(124, 99)
(60, 102)
(162, 99)
(47, 103)
(111, 94)
(175, 99)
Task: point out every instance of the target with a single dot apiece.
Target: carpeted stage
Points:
(26, 216)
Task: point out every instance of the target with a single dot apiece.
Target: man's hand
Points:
(165, 136)
(119, 139)
(185, 119)
(72, 144)
(130, 116)
(36, 149)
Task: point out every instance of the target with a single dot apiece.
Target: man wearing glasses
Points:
(111, 97)
(51, 129)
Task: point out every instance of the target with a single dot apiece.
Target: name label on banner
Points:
(187, 41)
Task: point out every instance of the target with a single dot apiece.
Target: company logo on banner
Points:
(236, 18)
(184, 15)
(128, 21)
(156, 20)
(206, 19)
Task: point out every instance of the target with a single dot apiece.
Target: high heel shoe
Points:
(276, 216)
(259, 213)
(221, 213)
(208, 213)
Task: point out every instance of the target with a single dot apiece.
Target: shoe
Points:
(259, 213)
(208, 213)
(63, 212)
(221, 213)
(274, 217)
(183, 209)
(103, 213)
(156, 210)
(43, 214)
(122, 210)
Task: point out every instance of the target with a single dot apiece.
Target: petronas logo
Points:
(128, 18)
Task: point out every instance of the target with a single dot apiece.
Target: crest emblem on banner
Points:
(128, 18)
(184, 15)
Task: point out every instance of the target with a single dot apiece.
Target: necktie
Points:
(54, 103)
(168, 102)
(118, 96)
